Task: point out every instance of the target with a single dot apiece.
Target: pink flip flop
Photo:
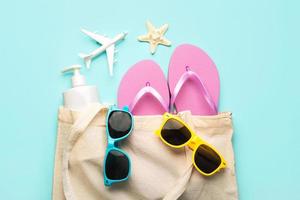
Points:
(193, 81)
(144, 89)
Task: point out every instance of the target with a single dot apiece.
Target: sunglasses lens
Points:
(175, 133)
(206, 159)
(116, 165)
(119, 124)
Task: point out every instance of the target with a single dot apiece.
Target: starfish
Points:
(155, 36)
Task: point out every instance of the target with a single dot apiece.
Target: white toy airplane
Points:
(108, 45)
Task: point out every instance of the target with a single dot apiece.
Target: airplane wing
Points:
(110, 52)
(99, 38)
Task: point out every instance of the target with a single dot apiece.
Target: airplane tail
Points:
(87, 59)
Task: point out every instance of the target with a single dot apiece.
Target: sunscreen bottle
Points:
(80, 95)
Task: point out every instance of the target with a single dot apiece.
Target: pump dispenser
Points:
(80, 95)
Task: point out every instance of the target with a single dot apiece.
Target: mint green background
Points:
(255, 45)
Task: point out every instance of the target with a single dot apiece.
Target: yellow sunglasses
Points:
(176, 133)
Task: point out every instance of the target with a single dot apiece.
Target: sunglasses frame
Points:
(112, 145)
(193, 143)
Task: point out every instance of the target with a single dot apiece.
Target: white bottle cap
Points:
(77, 78)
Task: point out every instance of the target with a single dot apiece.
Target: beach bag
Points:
(157, 171)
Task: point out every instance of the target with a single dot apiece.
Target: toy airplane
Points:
(108, 45)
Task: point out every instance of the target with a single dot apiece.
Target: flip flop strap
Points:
(148, 90)
(194, 76)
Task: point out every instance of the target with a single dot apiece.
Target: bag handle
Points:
(76, 132)
(181, 183)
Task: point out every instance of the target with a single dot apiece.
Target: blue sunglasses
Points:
(117, 166)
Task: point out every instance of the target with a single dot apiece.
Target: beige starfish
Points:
(155, 36)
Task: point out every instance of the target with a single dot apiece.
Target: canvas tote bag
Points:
(158, 171)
